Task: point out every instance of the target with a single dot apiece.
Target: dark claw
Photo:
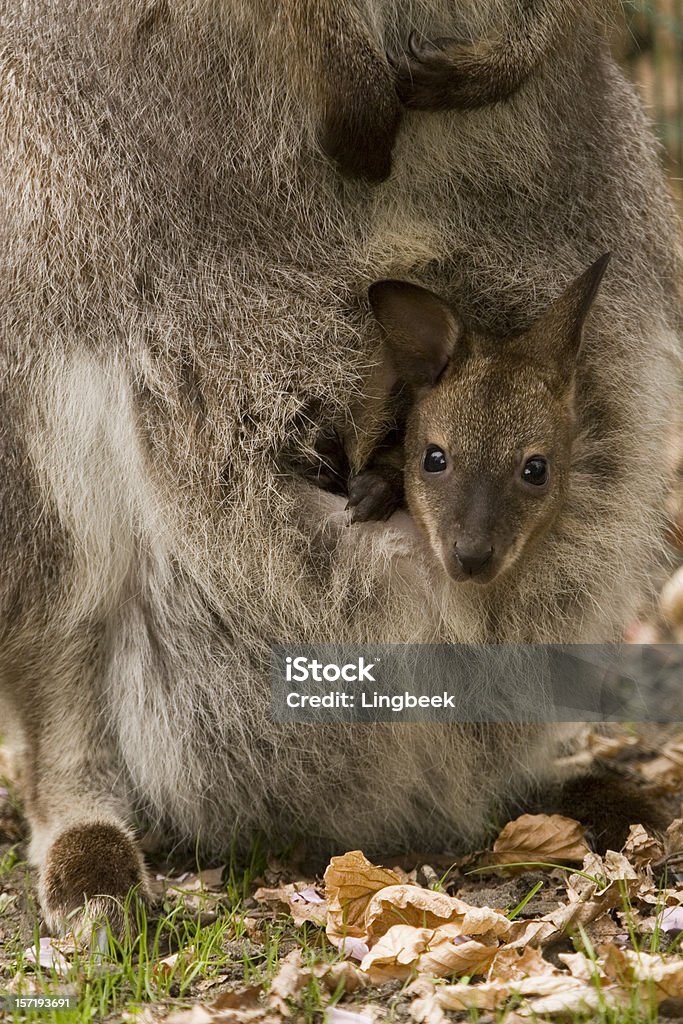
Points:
(413, 45)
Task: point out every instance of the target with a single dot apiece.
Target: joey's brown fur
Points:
(491, 411)
(183, 306)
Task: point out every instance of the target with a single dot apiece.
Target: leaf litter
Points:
(538, 927)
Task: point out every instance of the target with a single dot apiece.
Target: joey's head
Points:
(491, 425)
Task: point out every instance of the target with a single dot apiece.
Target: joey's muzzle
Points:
(473, 558)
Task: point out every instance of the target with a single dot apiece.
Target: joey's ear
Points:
(558, 334)
(421, 330)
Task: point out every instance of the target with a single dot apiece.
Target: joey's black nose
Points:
(472, 559)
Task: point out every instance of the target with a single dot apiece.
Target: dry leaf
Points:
(640, 847)
(240, 1006)
(571, 998)
(350, 883)
(531, 933)
(659, 976)
(424, 908)
(348, 975)
(541, 837)
(50, 953)
(291, 977)
(441, 952)
(299, 899)
(580, 966)
(352, 947)
(610, 746)
(673, 839)
(509, 964)
(338, 1015)
(489, 995)
(668, 767)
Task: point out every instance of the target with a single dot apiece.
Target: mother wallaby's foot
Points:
(608, 801)
(88, 876)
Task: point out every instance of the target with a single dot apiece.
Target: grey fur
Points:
(183, 295)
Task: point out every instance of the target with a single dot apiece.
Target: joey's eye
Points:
(535, 471)
(434, 460)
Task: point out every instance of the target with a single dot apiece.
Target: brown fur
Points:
(95, 863)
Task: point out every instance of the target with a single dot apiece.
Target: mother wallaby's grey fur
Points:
(183, 282)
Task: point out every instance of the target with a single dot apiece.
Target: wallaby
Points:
(184, 306)
(487, 425)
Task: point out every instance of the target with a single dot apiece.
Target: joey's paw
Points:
(91, 876)
(441, 75)
(362, 119)
(375, 494)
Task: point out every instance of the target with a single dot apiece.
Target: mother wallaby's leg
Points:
(81, 844)
(58, 583)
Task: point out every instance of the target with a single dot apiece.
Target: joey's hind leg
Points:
(450, 74)
(89, 873)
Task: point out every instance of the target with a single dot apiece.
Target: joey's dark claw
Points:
(392, 57)
(414, 45)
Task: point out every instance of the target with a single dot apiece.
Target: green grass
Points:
(130, 974)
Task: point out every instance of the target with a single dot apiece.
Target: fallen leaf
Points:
(299, 899)
(350, 882)
(640, 847)
(50, 953)
(424, 908)
(291, 977)
(511, 964)
(354, 948)
(338, 1015)
(581, 967)
(659, 976)
(541, 837)
(670, 920)
(668, 767)
(441, 952)
(344, 974)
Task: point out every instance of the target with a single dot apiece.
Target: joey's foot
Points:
(447, 74)
(375, 494)
(362, 119)
(91, 871)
